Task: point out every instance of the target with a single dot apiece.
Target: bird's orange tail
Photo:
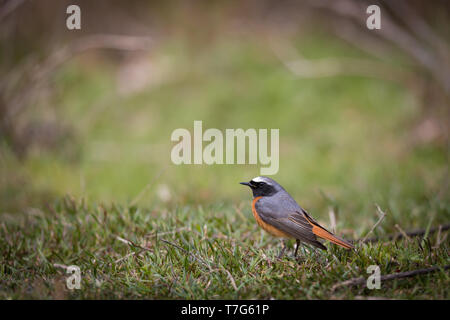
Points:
(325, 234)
(322, 233)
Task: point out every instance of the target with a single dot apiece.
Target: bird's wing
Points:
(323, 233)
(287, 218)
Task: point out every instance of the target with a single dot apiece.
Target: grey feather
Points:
(282, 211)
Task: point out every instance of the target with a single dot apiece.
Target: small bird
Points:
(279, 214)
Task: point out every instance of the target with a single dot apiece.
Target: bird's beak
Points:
(245, 183)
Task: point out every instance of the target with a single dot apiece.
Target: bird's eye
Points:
(258, 183)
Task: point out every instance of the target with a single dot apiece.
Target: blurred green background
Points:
(362, 121)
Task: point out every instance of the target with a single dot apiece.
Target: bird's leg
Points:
(283, 248)
(296, 248)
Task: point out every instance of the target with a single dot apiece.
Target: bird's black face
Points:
(261, 188)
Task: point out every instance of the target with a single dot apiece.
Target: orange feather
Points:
(324, 234)
(329, 236)
(267, 227)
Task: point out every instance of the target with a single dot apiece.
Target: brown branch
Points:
(395, 34)
(299, 66)
(413, 233)
(417, 24)
(132, 244)
(9, 7)
(392, 276)
(39, 73)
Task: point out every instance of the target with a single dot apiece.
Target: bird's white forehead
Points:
(260, 179)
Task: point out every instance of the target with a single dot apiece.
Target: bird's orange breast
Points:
(270, 229)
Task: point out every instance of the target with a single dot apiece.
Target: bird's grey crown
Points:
(264, 179)
(275, 186)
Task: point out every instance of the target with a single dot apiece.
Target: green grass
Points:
(215, 252)
(340, 134)
(345, 137)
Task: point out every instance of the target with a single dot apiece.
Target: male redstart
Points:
(279, 214)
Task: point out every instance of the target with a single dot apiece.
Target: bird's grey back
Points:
(283, 212)
(278, 205)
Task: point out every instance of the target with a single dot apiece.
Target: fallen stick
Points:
(413, 233)
(392, 276)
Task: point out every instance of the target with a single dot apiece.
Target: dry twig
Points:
(387, 277)
(414, 233)
(382, 215)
